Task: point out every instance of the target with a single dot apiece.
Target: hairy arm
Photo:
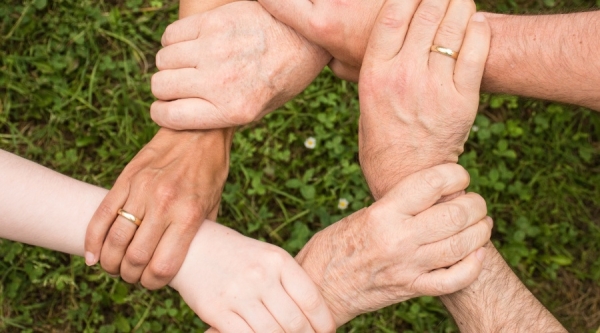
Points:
(552, 57)
(498, 302)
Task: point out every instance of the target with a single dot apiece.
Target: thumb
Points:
(189, 114)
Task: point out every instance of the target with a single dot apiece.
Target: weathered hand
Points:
(172, 185)
(401, 247)
(418, 106)
(237, 285)
(230, 66)
(341, 27)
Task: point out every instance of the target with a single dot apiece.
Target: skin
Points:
(172, 184)
(246, 285)
(564, 70)
(498, 301)
(239, 274)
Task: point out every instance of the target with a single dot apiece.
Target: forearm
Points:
(499, 302)
(43, 208)
(552, 57)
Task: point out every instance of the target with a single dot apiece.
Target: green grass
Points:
(74, 96)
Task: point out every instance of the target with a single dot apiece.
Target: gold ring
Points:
(129, 217)
(445, 51)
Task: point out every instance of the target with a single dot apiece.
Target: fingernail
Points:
(478, 17)
(480, 254)
(90, 259)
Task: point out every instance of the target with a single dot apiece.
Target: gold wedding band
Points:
(445, 51)
(129, 217)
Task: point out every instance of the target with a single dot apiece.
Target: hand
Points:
(340, 27)
(237, 284)
(172, 184)
(418, 106)
(401, 247)
(230, 66)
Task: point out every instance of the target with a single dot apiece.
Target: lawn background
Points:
(74, 96)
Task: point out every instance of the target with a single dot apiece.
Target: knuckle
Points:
(320, 25)
(106, 212)
(429, 14)
(456, 216)
(311, 302)
(458, 247)
(163, 270)
(137, 257)
(118, 237)
(390, 17)
(241, 116)
(434, 179)
(165, 193)
(450, 30)
(297, 323)
(168, 35)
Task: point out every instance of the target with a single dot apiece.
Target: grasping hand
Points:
(341, 27)
(230, 66)
(403, 246)
(172, 184)
(238, 285)
(417, 106)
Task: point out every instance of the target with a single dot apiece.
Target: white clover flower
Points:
(342, 204)
(310, 143)
(475, 128)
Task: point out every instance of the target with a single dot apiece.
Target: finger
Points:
(171, 251)
(473, 55)
(423, 28)
(120, 235)
(449, 280)
(306, 295)
(455, 248)
(451, 34)
(449, 218)
(215, 212)
(189, 114)
(142, 247)
(286, 312)
(389, 31)
(179, 55)
(183, 30)
(231, 323)
(174, 84)
(344, 71)
(259, 318)
(102, 220)
(424, 188)
(294, 13)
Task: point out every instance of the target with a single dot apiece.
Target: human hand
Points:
(172, 184)
(403, 246)
(238, 284)
(340, 27)
(418, 106)
(230, 66)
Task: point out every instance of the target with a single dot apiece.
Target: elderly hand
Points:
(237, 284)
(401, 247)
(172, 185)
(341, 27)
(230, 66)
(417, 106)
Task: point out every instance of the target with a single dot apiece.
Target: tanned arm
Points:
(499, 302)
(552, 57)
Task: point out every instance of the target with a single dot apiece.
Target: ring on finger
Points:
(445, 51)
(129, 217)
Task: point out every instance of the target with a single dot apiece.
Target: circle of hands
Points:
(233, 64)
